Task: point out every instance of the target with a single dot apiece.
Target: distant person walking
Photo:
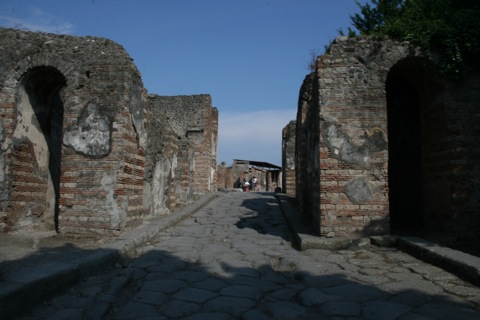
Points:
(246, 185)
(254, 184)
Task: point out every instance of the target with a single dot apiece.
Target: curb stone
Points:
(461, 264)
(306, 238)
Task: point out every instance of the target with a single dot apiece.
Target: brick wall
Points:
(223, 175)
(214, 150)
(168, 165)
(339, 113)
(29, 190)
(204, 143)
(94, 185)
(195, 124)
(364, 158)
(450, 161)
(307, 161)
(288, 159)
(73, 118)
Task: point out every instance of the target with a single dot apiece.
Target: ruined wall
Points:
(307, 161)
(240, 170)
(214, 150)
(194, 125)
(262, 177)
(231, 177)
(222, 177)
(73, 133)
(288, 159)
(393, 141)
(342, 174)
(451, 150)
(225, 177)
(352, 142)
(166, 182)
(73, 137)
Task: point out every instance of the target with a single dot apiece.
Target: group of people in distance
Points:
(248, 185)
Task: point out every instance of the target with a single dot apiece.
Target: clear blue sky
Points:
(251, 56)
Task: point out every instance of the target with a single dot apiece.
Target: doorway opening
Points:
(405, 172)
(41, 95)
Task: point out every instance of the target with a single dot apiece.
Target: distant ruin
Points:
(269, 176)
(385, 144)
(85, 150)
(288, 159)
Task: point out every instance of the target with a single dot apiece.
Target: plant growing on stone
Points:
(448, 30)
(312, 61)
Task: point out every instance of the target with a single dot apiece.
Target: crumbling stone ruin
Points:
(182, 149)
(384, 143)
(74, 135)
(288, 159)
(269, 176)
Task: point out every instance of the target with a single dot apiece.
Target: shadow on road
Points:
(210, 285)
(162, 284)
(265, 216)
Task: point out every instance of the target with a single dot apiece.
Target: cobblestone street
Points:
(234, 259)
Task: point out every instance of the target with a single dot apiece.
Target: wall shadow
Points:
(160, 284)
(210, 281)
(46, 273)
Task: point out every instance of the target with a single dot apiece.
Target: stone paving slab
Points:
(233, 259)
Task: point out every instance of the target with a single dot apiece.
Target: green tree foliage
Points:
(446, 29)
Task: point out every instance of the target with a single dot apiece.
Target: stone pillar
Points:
(288, 159)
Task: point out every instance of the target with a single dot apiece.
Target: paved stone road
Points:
(233, 259)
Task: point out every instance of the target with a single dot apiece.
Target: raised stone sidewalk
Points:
(459, 263)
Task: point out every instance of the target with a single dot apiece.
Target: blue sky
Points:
(251, 56)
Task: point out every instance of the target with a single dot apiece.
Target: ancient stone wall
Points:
(241, 170)
(194, 122)
(393, 143)
(214, 150)
(288, 159)
(72, 118)
(73, 132)
(165, 174)
(450, 153)
(232, 177)
(222, 177)
(307, 161)
(352, 142)
(225, 177)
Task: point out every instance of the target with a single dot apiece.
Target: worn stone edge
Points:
(461, 264)
(305, 238)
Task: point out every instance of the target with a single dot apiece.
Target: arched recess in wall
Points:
(40, 121)
(409, 98)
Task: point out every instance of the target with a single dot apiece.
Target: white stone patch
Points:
(91, 135)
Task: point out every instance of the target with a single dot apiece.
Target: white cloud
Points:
(252, 135)
(35, 19)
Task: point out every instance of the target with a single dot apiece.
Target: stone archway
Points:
(410, 100)
(38, 137)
